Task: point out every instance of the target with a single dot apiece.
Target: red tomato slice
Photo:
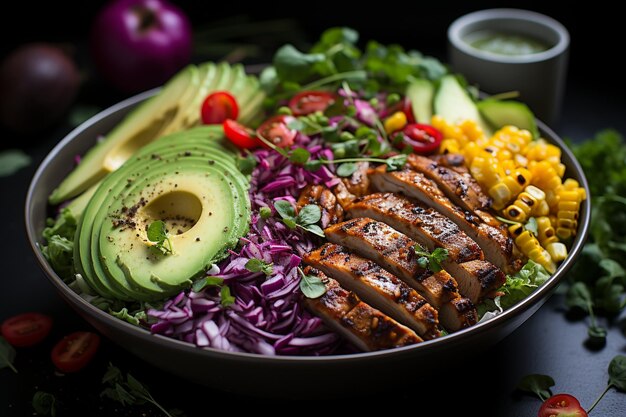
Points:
(561, 405)
(26, 329)
(239, 135)
(277, 132)
(424, 139)
(75, 351)
(218, 107)
(308, 102)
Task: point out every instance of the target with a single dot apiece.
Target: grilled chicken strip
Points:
(424, 225)
(395, 252)
(332, 212)
(358, 183)
(456, 162)
(476, 279)
(377, 287)
(453, 184)
(367, 328)
(497, 245)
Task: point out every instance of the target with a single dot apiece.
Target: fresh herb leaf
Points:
(537, 384)
(524, 282)
(315, 229)
(531, 226)
(311, 286)
(202, 283)
(258, 265)
(246, 164)
(265, 212)
(617, 372)
(226, 298)
(123, 314)
(157, 233)
(309, 214)
(285, 209)
(579, 296)
(293, 65)
(431, 261)
(12, 160)
(44, 404)
(313, 165)
(346, 169)
(7, 355)
(290, 222)
(396, 163)
(299, 156)
(127, 391)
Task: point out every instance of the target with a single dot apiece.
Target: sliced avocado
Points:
(453, 103)
(421, 92)
(138, 128)
(189, 174)
(77, 206)
(501, 113)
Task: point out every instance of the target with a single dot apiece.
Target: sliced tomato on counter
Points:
(218, 107)
(239, 135)
(424, 139)
(562, 405)
(75, 351)
(308, 102)
(277, 131)
(26, 329)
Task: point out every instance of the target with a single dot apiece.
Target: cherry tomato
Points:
(238, 134)
(75, 351)
(218, 107)
(561, 405)
(277, 132)
(308, 102)
(26, 329)
(424, 139)
(405, 107)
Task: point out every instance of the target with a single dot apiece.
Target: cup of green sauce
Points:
(503, 50)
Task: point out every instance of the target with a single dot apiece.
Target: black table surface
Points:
(548, 343)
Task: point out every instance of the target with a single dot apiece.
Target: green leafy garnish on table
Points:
(598, 278)
(128, 390)
(12, 160)
(45, 404)
(537, 384)
(7, 355)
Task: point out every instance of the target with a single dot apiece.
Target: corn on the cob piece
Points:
(530, 202)
(570, 196)
(529, 245)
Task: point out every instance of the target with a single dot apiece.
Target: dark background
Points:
(550, 342)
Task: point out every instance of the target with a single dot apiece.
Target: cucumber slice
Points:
(502, 113)
(421, 93)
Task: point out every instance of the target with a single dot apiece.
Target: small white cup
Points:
(539, 77)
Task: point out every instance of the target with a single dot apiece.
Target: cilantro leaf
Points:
(431, 261)
(311, 286)
(293, 65)
(309, 214)
(285, 209)
(346, 169)
(157, 232)
(299, 156)
(202, 283)
(617, 372)
(12, 160)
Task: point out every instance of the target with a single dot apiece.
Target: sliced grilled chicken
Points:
(497, 245)
(424, 225)
(476, 279)
(453, 184)
(343, 195)
(459, 314)
(395, 252)
(358, 183)
(332, 212)
(456, 162)
(377, 287)
(367, 328)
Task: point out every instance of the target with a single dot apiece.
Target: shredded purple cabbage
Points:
(267, 317)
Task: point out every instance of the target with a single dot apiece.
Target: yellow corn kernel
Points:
(568, 205)
(470, 151)
(570, 184)
(544, 176)
(525, 205)
(395, 122)
(521, 161)
(472, 130)
(449, 146)
(529, 245)
(557, 251)
(486, 170)
(541, 209)
(500, 194)
(542, 257)
(564, 233)
(448, 130)
(546, 233)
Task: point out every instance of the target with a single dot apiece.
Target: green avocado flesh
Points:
(188, 180)
(175, 108)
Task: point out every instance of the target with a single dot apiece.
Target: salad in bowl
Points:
(344, 200)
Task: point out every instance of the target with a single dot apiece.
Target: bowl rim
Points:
(457, 337)
(485, 17)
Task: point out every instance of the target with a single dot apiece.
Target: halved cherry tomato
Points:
(308, 102)
(75, 351)
(424, 139)
(238, 134)
(405, 107)
(26, 329)
(561, 405)
(277, 131)
(218, 107)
